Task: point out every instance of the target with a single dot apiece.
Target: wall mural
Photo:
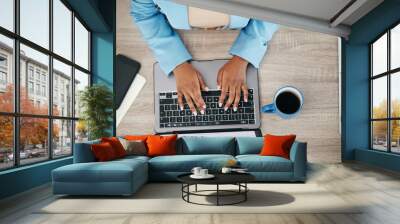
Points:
(198, 66)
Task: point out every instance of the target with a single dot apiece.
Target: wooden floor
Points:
(379, 189)
(304, 59)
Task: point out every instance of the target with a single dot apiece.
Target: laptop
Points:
(169, 118)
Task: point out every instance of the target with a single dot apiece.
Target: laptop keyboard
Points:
(172, 116)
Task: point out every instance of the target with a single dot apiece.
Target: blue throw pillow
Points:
(249, 145)
(195, 145)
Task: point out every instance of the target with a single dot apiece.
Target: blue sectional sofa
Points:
(125, 176)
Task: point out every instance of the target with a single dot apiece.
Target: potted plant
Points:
(96, 102)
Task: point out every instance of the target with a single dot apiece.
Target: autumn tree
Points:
(33, 131)
(380, 127)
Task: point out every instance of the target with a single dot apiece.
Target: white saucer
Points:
(208, 176)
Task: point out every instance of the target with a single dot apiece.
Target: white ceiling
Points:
(321, 9)
(325, 16)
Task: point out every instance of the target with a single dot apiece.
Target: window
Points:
(6, 73)
(3, 72)
(62, 74)
(3, 61)
(81, 45)
(44, 91)
(385, 91)
(35, 21)
(81, 82)
(30, 88)
(62, 137)
(44, 124)
(62, 29)
(38, 73)
(30, 72)
(7, 14)
(37, 90)
(6, 142)
(3, 78)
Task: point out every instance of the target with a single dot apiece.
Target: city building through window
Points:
(40, 124)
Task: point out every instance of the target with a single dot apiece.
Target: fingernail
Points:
(245, 100)
(219, 104)
(202, 112)
(206, 88)
(204, 106)
(181, 108)
(218, 87)
(195, 113)
(235, 109)
(226, 108)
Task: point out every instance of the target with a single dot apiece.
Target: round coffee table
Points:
(238, 179)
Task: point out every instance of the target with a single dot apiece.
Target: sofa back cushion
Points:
(249, 145)
(197, 145)
(83, 152)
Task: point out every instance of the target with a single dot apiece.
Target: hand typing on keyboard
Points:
(171, 116)
(188, 84)
(232, 81)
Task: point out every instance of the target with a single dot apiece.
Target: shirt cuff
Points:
(171, 53)
(249, 48)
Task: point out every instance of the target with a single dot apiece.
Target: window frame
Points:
(388, 74)
(16, 114)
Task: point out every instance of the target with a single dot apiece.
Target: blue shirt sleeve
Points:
(251, 44)
(162, 39)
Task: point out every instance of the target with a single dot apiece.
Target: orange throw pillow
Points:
(136, 137)
(161, 145)
(103, 152)
(277, 145)
(116, 145)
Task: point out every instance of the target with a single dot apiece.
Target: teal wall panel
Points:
(355, 85)
(380, 159)
(24, 178)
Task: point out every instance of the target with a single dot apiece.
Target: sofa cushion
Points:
(134, 147)
(83, 152)
(116, 145)
(196, 145)
(275, 145)
(103, 152)
(257, 163)
(185, 163)
(249, 145)
(161, 145)
(112, 171)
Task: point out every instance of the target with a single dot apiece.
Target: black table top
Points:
(220, 178)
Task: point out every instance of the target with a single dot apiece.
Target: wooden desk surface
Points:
(304, 59)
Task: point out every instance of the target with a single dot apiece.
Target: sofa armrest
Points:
(298, 155)
(83, 152)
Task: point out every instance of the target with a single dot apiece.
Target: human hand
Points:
(189, 84)
(232, 79)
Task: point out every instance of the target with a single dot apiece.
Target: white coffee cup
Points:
(226, 170)
(203, 172)
(196, 171)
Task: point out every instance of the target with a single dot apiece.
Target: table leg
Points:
(217, 194)
(188, 190)
(182, 188)
(245, 193)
